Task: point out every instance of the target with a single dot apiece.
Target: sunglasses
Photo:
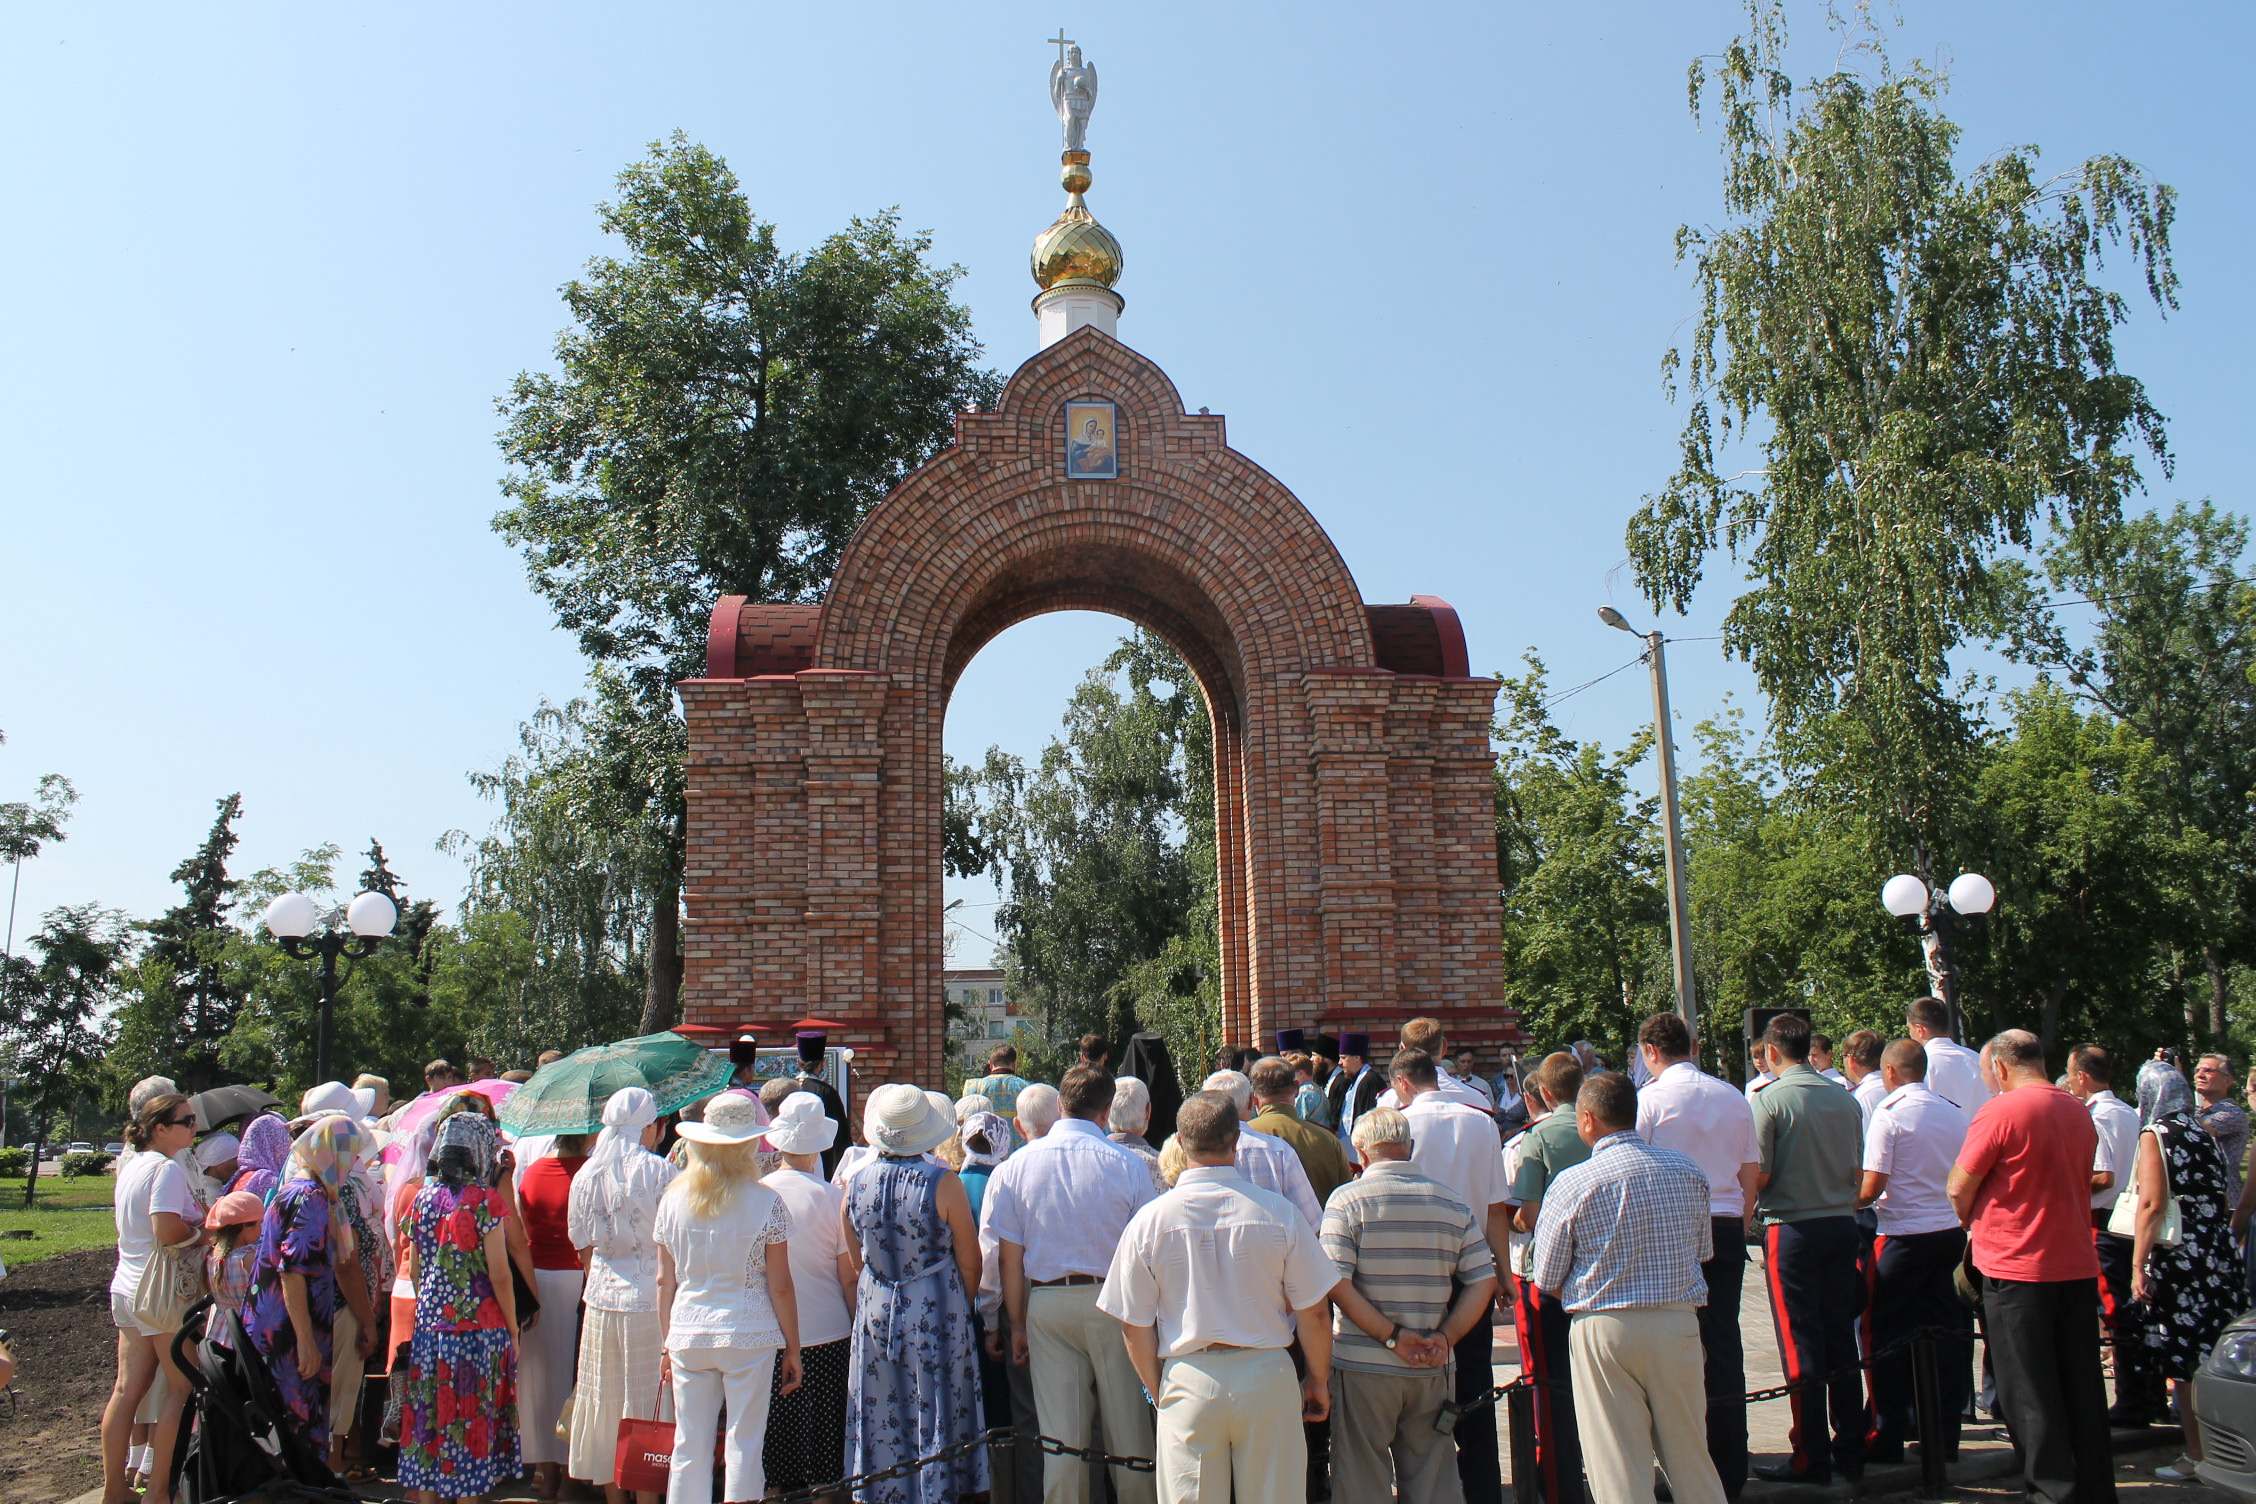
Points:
(186, 1122)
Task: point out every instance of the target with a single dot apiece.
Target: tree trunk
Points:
(661, 998)
(2217, 993)
(2048, 1023)
(31, 1181)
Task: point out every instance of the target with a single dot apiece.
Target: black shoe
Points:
(1785, 1472)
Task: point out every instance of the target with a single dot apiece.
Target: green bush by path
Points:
(67, 1216)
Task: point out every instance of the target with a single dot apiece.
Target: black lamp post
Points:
(1934, 915)
(367, 920)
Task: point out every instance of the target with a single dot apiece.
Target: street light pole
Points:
(368, 919)
(1680, 914)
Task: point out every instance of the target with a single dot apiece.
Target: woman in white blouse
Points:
(611, 1218)
(155, 1209)
(807, 1431)
(725, 1301)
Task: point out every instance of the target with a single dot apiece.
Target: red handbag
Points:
(646, 1453)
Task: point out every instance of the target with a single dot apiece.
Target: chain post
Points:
(1519, 1411)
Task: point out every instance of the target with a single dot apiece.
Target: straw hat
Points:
(903, 1120)
(729, 1119)
(801, 1126)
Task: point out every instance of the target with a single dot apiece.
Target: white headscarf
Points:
(629, 1110)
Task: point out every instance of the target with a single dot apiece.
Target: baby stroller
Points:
(237, 1441)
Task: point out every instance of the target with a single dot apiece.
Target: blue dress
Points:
(916, 1373)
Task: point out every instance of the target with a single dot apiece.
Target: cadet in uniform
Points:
(1808, 1131)
(1552, 1145)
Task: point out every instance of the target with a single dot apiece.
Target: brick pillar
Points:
(1348, 719)
(1232, 901)
(1469, 960)
(744, 877)
(1410, 819)
(844, 712)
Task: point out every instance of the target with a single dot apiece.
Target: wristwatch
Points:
(1393, 1337)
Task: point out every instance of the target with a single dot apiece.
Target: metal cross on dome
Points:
(1061, 41)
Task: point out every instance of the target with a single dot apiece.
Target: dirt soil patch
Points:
(57, 1315)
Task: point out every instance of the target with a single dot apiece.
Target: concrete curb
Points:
(1900, 1480)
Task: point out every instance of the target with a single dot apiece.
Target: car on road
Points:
(113, 1148)
(78, 1148)
(2224, 1401)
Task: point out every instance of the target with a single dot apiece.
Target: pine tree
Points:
(190, 941)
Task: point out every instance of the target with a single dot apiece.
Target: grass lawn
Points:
(66, 1216)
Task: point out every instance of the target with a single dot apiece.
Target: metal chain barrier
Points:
(1003, 1437)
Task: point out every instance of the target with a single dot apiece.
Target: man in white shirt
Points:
(2091, 1078)
(1056, 1210)
(1704, 1118)
(1037, 1108)
(1954, 1072)
(1860, 1060)
(1455, 1146)
(1909, 1150)
(1821, 1059)
(1426, 1034)
(1210, 1284)
(1263, 1158)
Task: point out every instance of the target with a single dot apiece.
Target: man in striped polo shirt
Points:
(1415, 1251)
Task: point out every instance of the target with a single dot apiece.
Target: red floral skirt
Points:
(458, 1417)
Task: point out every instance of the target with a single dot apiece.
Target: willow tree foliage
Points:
(721, 414)
(1902, 370)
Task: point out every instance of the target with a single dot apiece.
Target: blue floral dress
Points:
(458, 1415)
(294, 1239)
(915, 1382)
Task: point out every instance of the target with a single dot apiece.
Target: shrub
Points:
(85, 1164)
(15, 1164)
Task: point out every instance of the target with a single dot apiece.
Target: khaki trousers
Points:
(1229, 1428)
(1072, 1349)
(1640, 1390)
(1384, 1445)
(345, 1368)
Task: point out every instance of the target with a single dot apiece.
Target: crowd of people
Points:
(1276, 1289)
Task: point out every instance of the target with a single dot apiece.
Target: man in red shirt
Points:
(2022, 1185)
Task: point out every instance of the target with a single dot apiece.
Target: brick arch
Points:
(1356, 847)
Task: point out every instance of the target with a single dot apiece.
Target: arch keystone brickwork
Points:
(1355, 837)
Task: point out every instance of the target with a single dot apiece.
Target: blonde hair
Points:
(714, 1173)
(951, 1150)
(1172, 1160)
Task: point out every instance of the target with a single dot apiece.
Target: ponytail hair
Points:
(142, 1130)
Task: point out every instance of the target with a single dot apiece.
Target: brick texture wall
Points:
(1352, 768)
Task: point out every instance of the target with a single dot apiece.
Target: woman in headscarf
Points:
(406, 1159)
(2191, 1289)
(262, 1154)
(307, 1267)
(611, 1217)
(544, 1366)
(458, 1422)
(360, 1327)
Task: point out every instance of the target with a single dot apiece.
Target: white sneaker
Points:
(2180, 1471)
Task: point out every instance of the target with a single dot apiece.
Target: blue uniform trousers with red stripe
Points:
(1912, 1288)
(1542, 1323)
(1814, 1301)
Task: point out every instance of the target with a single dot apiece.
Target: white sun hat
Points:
(335, 1096)
(903, 1120)
(730, 1118)
(801, 1126)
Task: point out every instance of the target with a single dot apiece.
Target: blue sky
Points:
(268, 266)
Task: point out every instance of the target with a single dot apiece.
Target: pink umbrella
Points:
(428, 1106)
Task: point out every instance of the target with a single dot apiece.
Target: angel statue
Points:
(1073, 94)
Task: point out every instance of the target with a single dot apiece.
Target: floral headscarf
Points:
(466, 1150)
(265, 1150)
(2162, 1090)
(326, 1154)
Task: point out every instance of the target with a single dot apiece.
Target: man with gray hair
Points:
(1128, 1122)
(2022, 1186)
(1210, 1283)
(1263, 1158)
(1415, 1251)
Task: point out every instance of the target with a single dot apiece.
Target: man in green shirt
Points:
(1274, 1086)
(1549, 1146)
(1810, 1133)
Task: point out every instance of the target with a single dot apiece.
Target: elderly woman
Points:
(611, 1217)
(458, 1420)
(1130, 1120)
(2190, 1289)
(726, 1303)
(544, 1369)
(915, 1386)
(308, 1269)
(259, 1158)
(155, 1210)
(807, 1430)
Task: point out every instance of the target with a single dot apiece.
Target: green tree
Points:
(2172, 656)
(1578, 862)
(1105, 853)
(722, 414)
(26, 825)
(188, 947)
(56, 1030)
(1899, 374)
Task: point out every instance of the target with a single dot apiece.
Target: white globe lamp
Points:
(1905, 896)
(1972, 893)
(371, 916)
(291, 917)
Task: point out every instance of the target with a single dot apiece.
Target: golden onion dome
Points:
(1076, 249)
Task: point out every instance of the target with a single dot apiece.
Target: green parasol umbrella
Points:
(567, 1096)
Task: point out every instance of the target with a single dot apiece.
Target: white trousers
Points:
(1640, 1389)
(545, 1363)
(1074, 1350)
(1229, 1428)
(705, 1377)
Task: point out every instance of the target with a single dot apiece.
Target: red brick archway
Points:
(1352, 769)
